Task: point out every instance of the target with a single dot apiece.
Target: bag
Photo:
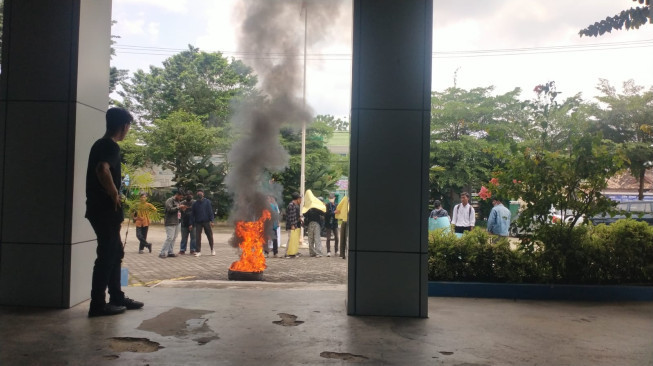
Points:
(440, 223)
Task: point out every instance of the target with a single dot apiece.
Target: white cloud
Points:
(459, 25)
(153, 29)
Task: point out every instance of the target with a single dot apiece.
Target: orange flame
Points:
(251, 245)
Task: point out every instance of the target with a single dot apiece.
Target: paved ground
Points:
(148, 269)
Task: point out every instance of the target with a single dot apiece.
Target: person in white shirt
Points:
(464, 216)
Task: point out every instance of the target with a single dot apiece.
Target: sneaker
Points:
(181, 252)
(318, 255)
(192, 252)
(130, 304)
(212, 252)
(328, 254)
(197, 254)
(149, 247)
(172, 255)
(140, 252)
(163, 256)
(107, 309)
(275, 256)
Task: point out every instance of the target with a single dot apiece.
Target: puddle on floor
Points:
(181, 323)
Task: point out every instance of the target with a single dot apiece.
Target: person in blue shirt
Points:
(202, 218)
(499, 220)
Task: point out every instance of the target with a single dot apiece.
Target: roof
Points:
(626, 182)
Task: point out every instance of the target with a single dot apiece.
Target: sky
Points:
(476, 43)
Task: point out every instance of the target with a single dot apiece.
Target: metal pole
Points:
(302, 183)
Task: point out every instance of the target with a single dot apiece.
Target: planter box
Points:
(541, 291)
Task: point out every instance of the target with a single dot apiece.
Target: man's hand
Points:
(116, 201)
(211, 223)
(103, 174)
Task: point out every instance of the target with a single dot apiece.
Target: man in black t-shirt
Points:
(104, 212)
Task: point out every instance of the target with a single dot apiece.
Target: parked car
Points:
(637, 210)
(567, 216)
(554, 216)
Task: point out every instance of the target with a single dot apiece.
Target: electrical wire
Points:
(245, 55)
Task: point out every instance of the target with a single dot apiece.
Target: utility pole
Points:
(302, 183)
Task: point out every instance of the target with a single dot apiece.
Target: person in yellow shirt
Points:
(342, 213)
(142, 215)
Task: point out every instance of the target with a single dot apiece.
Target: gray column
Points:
(53, 96)
(389, 158)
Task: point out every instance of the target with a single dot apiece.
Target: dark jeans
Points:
(462, 229)
(185, 233)
(141, 235)
(198, 234)
(106, 271)
(335, 239)
(343, 239)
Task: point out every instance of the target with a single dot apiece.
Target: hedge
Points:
(621, 253)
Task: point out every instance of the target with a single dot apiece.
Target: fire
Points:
(252, 239)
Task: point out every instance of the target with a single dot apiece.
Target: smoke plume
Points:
(272, 37)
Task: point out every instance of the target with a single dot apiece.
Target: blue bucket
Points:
(124, 277)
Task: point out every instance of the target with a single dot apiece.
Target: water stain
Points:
(129, 344)
(181, 323)
(288, 320)
(344, 356)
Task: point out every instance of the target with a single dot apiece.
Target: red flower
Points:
(494, 181)
(484, 193)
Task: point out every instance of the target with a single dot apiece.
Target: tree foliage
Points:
(336, 123)
(323, 169)
(632, 18)
(627, 118)
(178, 142)
(191, 81)
(470, 132)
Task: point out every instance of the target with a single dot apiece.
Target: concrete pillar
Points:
(53, 96)
(389, 158)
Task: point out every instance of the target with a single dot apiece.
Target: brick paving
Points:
(148, 269)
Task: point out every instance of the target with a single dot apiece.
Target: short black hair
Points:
(295, 195)
(117, 118)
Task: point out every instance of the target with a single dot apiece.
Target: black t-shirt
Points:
(313, 215)
(98, 201)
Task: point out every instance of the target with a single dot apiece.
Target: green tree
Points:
(470, 133)
(179, 142)
(632, 18)
(457, 112)
(461, 165)
(628, 119)
(323, 169)
(192, 81)
(336, 123)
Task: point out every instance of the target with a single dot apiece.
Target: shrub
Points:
(621, 253)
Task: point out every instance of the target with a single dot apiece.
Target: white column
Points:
(389, 158)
